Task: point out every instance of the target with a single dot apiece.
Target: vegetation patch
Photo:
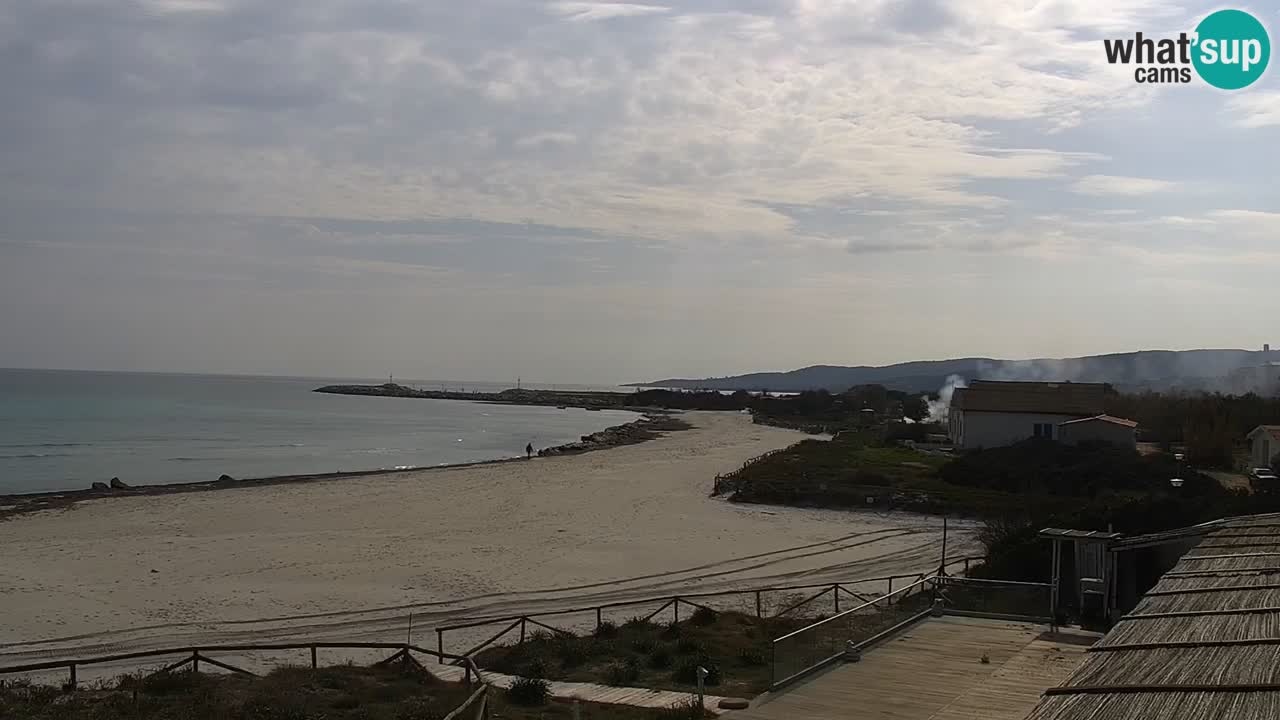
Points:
(645, 654)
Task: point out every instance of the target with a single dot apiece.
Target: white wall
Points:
(972, 429)
(1264, 447)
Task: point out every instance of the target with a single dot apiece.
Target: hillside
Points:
(1144, 369)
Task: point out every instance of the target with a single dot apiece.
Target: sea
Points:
(64, 430)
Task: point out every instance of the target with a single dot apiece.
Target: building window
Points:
(1042, 430)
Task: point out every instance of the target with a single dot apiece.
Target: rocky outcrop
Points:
(226, 478)
(118, 484)
(100, 486)
(646, 428)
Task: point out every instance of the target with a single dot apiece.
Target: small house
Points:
(991, 413)
(1264, 444)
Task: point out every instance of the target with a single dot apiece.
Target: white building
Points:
(1264, 444)
(988, 413)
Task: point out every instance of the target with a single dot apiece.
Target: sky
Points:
(599, 192)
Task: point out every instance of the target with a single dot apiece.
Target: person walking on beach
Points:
(528, 450)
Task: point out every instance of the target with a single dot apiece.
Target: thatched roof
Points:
(1204, 644)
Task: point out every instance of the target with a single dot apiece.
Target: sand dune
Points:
(351, 559)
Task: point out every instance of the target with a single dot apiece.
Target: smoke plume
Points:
(939, 408)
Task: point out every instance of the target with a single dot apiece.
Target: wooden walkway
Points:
(934, 671)
(588, 692)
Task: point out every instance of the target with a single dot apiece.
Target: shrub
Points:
(671, 631)
(170, 682)
(644, 645)
(683, 710)
(751, 657)
(622, 673)
(660, 658)
(418, 708)
(690, 646)
(529, 692)
(537, 668)
(571, 651)
(703, 617)
(687, 672)
(606, 629)
(637, 623)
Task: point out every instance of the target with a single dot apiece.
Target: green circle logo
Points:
(1232, 49)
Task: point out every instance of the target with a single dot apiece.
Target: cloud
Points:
(1256, 109)
(592, 11)
(1120, 185)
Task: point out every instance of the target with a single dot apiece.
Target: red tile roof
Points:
(1272, 430)
(1084, 399)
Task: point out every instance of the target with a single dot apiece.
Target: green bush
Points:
(671, 631)
(606, 629)
(529, 692)
(536, 668)
(660, 658)
(690, 646)
(419, 708)
(704, 616)
(683, 710)
(571, 651)
(686, 672)
(644, 645)
(623, 673)
(637, 623)
(751, 657)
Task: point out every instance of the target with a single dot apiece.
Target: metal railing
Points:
(838, 593)
(801, 652)
(1030, 601)
(815, 646)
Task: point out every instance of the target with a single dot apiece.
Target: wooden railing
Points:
(837, 590)
(201, 654)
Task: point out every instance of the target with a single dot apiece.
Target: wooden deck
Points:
(588, 692)
(934, 670)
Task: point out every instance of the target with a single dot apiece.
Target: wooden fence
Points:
(836, 591)
(194, 656)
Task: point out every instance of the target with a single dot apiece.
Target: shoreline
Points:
(637, 431)
(335, 560)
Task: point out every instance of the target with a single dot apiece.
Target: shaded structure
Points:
(1202, 644)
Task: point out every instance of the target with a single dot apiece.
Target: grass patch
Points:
(660, 656)
(335, 693)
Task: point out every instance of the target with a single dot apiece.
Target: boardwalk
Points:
(589, 692)
(934, 670)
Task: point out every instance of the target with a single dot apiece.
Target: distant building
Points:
(1260, 379)
(1264, 444)
(988, 413)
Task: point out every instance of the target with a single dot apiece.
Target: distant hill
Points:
(1145, 369)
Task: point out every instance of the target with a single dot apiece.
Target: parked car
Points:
(1262, 476)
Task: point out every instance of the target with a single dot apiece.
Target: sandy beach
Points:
(350, 559)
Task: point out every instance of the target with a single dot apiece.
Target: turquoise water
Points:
(62, 430)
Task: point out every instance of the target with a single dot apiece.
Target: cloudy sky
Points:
(603, 191)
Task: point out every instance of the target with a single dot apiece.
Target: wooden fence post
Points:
(72, 683)
(759, 614)
(675, 609)
(599, 619)
(440, 644)
(890, 591)
(835, 595)
(522, 625)
(313, 657)
(195, 661)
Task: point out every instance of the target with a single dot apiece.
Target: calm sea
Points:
(63, 430)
